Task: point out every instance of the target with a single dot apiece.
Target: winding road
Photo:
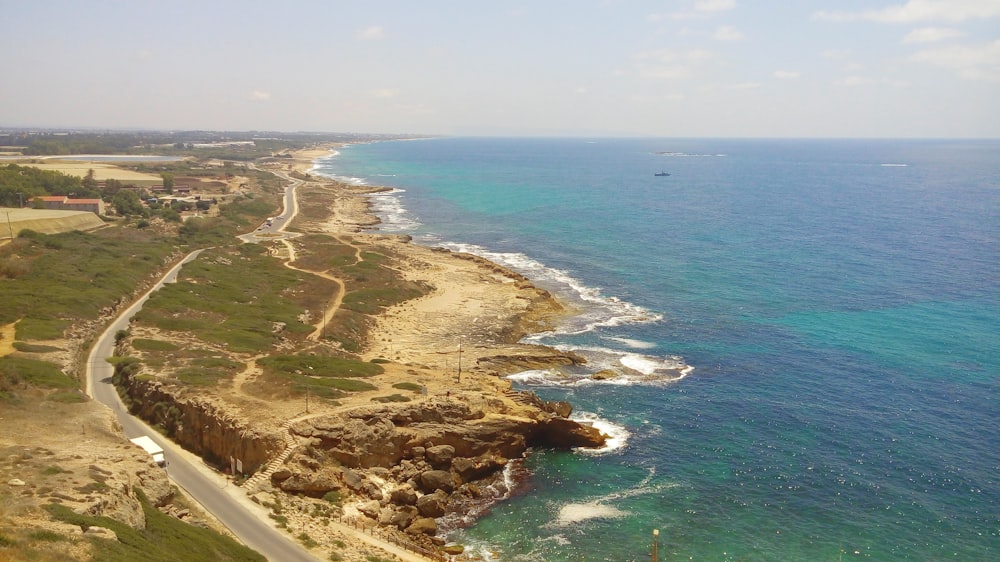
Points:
(227, 503)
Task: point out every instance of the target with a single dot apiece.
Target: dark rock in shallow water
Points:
(562, 433)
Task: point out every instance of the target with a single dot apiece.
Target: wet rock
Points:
(475, 469)
(605, 374)
(562, 433)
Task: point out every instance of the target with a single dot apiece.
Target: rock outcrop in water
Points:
(407, 465)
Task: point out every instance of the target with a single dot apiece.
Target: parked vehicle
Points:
(152, 448)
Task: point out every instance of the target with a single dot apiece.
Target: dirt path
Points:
(7, 339)
(338, 299)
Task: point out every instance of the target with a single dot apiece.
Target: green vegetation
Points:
(324, 376)
(16, 370)
(334, 497)
(207, 371)
(35, 348)
(236, 297)
(307, 541)
(391, 398)
(412, 386)
(64, 278)
(371, 284)
(142, 344)
(19, 184)
(164, 538)
(319, 366)
(67, 397)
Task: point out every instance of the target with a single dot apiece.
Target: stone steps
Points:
(252, 483)
(519, 397)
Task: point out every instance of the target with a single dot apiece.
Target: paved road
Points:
(209, 489)
(276, 230)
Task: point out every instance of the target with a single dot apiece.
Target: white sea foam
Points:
(534, 376)
(617, 434)
(634, 344)
(390, 209)
(599, 310)
(618, 369)
(596, 310)
(577, 512)
(599, 508)
(890, 165)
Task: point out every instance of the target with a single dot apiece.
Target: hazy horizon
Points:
(695, 68)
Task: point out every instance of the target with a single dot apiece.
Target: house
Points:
(64, 203)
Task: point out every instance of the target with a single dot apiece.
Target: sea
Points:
(803, 337)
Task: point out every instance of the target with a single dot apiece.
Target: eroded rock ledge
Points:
(404, 466)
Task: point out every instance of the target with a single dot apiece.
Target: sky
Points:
(668, 68)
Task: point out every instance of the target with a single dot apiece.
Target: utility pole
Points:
(656, 545)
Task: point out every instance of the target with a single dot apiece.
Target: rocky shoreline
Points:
(404, 466)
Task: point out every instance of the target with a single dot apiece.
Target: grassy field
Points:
(164, 538)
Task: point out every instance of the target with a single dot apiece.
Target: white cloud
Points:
(786, 74)
(258, 95)
(836, 54)
(668, 63)
(920, 10)
(714, 5)
(727, 33)
(854, 81)
(745, 86)
(931, 35)
(371, 33)
(976, 62)
(701, 9)
(385, 93)
(582, 90)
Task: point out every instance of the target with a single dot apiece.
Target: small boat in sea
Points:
(661, 174)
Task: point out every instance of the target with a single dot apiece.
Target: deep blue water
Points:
(838, 300)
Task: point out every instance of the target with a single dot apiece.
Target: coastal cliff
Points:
(379, 398)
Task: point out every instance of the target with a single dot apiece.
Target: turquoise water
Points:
(838, 303)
